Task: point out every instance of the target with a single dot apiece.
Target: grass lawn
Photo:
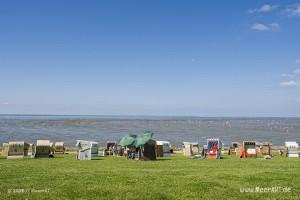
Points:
(176, 177)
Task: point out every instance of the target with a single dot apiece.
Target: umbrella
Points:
(143, 139)
(127, 140)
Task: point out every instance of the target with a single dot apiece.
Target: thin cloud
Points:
(290, 83)
(298, 61)
(266, 27)
(293, 10)
(298, 99)
(5, 103)
(263, 9)
(297, 71)
(292, 75)
(287, 75)
(294, 79)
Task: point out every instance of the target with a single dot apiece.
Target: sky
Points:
(160, 57)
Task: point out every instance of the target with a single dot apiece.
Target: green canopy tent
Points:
(135, 140)
(143, 141)
(127, 140)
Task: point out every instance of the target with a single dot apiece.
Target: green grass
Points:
(176, 177)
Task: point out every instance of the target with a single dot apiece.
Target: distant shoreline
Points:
(151, 116)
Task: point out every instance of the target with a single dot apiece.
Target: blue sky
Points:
(204, 58)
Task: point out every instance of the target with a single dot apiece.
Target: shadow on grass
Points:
(95, 159)
(164, 159)
(50, 158)
(225, 158)
(129, 160)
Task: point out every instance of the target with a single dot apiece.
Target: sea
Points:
(69, 128)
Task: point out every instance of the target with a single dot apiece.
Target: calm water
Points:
(174, 129)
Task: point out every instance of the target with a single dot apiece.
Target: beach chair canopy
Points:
(163, 143)
(43, 143)
(83, 144)
(194, 144)
(249, 144)
(212, 143)
(59, 147)
(59, 144)
(16, 148)
(166, 146)
(235, 144)
(87, 150)
(5, 148)
(291, 144)
(112, 144)
(43, 148)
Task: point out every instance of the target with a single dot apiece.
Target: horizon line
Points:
(139, 115)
